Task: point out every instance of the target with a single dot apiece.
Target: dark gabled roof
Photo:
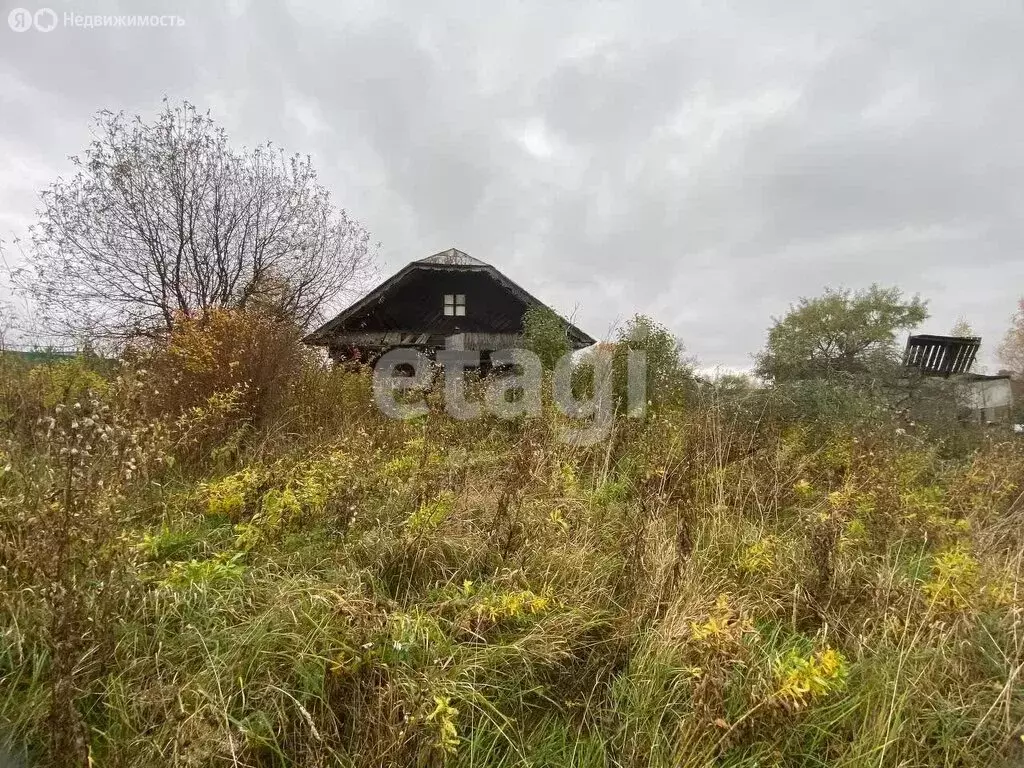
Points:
(454, 260)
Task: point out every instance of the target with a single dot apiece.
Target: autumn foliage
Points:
(254, 355)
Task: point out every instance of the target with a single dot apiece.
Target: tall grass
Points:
(229, 578)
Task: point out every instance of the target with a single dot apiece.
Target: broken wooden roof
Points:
(941, 355)
(451, 259)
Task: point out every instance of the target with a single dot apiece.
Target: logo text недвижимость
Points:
(46, 20)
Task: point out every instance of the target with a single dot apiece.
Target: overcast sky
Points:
(704, 163)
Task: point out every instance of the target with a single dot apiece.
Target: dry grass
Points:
(721, 584)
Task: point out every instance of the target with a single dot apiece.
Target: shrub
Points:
(252, 353)
(66, 382)
(669, 378)
(545, 335)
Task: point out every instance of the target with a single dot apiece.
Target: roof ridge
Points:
(453, 257)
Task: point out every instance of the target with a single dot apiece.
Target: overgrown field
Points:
(202, 571)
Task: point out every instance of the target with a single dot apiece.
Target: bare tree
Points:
(1011, 351)
(165, 218)
(7, 323)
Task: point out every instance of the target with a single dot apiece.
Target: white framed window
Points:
(455, 304)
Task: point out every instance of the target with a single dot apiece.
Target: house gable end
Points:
(444, 294)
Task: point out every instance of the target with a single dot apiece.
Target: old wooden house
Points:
(448, 300)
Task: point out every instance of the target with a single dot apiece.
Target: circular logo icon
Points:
(20, 20)
(45, 19)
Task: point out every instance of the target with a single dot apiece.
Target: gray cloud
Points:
(703, 164)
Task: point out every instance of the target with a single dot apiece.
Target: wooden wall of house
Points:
(418, 305)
